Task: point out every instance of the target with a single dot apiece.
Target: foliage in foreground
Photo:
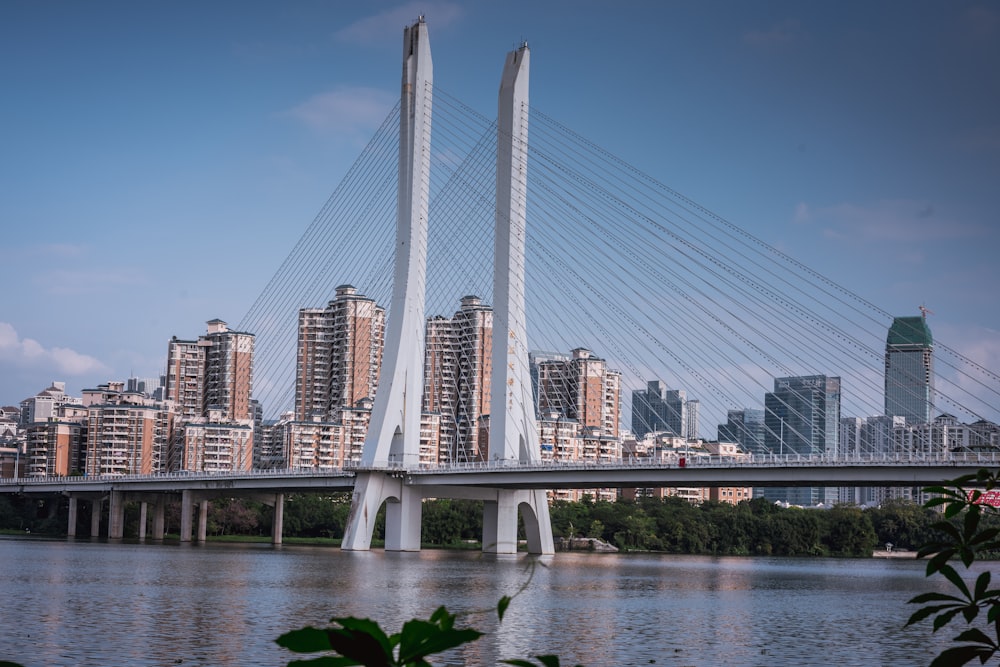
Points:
(963, 536)
(361, 641)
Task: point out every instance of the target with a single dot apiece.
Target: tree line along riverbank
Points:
(671, 525)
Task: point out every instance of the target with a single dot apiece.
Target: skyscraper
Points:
(746, 428)
(802, 416)
(659, 409)
(909, 370)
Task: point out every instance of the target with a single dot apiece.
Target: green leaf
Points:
(502, 606)
(363, 640)
(548, 660)
(939, 561)
(921, 614)
(971, 523)
(935, 597)
(443, 619)
(985, 536)
(423, 638)
(982, 585)
(327, 661)
(949, 529)
(953, 576)
(543, 660)
(945, 618)
(953, 508)
(306, 640)
(970, 612)
(960, 655)
(977, 636)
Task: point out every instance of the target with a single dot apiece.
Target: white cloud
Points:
(345, 110)
(373, 29)
(27, 352)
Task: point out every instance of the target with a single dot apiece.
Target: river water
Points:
(98, 603)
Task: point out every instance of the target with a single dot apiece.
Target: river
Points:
(79, 603)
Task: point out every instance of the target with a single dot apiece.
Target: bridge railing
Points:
(983, 459)
(269, 473)
(688, 460)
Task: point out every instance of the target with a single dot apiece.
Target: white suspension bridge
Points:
(612, 260)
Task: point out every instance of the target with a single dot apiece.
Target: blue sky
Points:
(159, 160)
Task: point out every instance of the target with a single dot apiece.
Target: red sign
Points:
(991, 498)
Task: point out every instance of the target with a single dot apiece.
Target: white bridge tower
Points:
(393, 441)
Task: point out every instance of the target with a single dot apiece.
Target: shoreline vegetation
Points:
(668, 525)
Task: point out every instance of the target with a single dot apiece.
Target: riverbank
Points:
(895, 553)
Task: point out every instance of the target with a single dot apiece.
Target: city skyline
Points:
(114, 275)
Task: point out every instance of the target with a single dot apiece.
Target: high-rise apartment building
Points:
(909, 370)
(127, 434)
(228, 372)
(457, 378)
(339, 355)
(212, 444)
(660, 409)
(210, 382)
(581, 388)
(213, 372)
(802, 416)
(53, 447)
(41, 407)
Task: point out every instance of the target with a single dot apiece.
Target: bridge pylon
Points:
(393, 438)
(513, 432)
(393, 441)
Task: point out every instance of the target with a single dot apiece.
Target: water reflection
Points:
(91, 603)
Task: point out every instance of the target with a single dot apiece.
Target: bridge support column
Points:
(142, 521)
(187, 516)
(159, 513)
(402, 520)
(402, 513)
(116, 516)
(500, 522)
(96, 507)
(202, 521)
(278, 523)
(71, 524)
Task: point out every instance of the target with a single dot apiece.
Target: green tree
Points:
(848, 531)
(234, 516)
(904, 523)
(314, 515)
(963, 535)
